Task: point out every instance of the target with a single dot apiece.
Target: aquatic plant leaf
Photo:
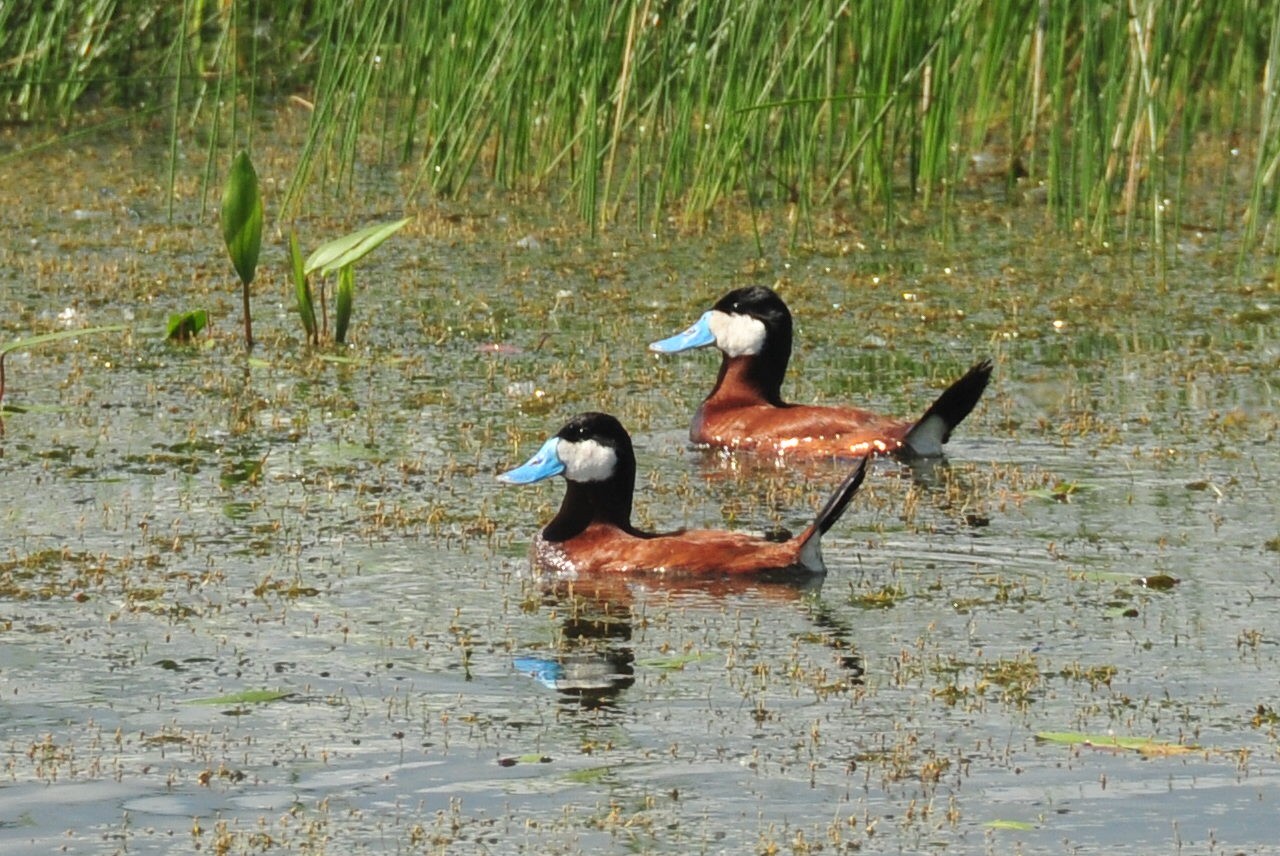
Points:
(302, 290)
(1009, 824)
(245, 697)
(242, 217)
(1142, 745)
(588, 776)
(349, 249)
(530, 758)
(345, 298)
(183, 326)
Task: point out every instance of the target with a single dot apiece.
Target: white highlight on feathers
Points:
(737, 335)
(587, 460)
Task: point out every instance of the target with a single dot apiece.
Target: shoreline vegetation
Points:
(1113, 116)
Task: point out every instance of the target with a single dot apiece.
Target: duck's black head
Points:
(755, 322)
(594, 454)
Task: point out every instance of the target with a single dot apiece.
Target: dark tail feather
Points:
(839, 500)
(949, 410)
(810, 556)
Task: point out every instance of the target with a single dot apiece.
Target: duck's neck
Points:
(746, 381)
(592, 502)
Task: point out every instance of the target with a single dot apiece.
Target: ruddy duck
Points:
(752, 328)
(592, 532)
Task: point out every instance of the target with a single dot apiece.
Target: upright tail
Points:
(934, 428)
(811, 543)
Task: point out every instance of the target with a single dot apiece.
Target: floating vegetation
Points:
(1095, 676)
(244, 697)
(1265, 716)
(884, 597)
(1018, 825)
(1116, 743)
(528, 758)
(1062, 491)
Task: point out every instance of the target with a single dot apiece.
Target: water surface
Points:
(183, 525)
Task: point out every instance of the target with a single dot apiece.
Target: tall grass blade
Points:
(678, 113)
(175, 110)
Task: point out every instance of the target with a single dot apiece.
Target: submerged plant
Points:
(242, 228)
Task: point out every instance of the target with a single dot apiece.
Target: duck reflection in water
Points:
(594, 660)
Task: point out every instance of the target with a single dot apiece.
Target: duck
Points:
(752, 328)
(592, 533)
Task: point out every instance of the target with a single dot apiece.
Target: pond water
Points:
(281, 604)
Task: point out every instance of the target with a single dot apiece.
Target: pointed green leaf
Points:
(345, 298)
(301, 290)
(349, 249)
(242, 217)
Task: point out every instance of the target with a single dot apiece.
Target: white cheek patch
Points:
(587, 461)
(737, 335)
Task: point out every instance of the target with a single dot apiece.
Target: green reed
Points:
(639, 110)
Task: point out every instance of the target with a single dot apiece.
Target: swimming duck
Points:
(752, 328)
(592, 532)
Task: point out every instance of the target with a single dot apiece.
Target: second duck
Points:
(752, 328)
